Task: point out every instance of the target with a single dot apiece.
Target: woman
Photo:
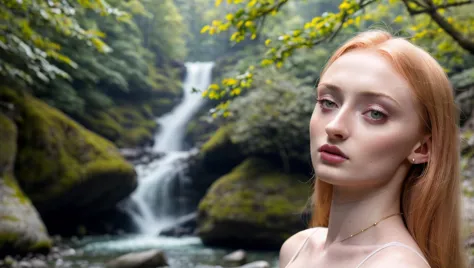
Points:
(384, 145)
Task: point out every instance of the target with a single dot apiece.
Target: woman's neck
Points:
(353, 210)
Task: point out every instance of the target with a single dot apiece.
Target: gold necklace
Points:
(372, 225)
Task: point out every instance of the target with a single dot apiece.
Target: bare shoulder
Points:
(292, 244)
(396, 257)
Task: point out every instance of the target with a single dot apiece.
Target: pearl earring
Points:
(413, 160)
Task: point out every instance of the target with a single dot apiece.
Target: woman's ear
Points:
(421, 151)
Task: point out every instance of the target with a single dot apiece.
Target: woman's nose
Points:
(337, 128)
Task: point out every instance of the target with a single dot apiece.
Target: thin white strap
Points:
(300, 248)
(390, 245)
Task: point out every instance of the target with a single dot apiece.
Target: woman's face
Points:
(366, 110)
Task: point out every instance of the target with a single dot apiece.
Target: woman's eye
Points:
(327, 103)
(376, 115)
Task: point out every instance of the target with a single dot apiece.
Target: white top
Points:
(391, 244)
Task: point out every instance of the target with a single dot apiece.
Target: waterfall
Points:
(150, 205)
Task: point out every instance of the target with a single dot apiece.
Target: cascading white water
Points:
(150, 206)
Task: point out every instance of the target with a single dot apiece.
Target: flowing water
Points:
(151, 206)
(188, 252)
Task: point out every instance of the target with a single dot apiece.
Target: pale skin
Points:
(380, 135)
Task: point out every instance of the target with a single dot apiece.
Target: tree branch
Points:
(433, 8)
(432, 11)
(464, 42)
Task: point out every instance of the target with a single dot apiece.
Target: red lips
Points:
(332, 154)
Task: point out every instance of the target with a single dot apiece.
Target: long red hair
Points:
(431, 195)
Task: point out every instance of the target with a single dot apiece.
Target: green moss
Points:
(7, 141)
(138, 136)
(8, 218)
(126, 126)
(105, 125)
(220, 137)
(103, 167)
(41, 246)
(8, 239)
(17, 192)
(257, 192)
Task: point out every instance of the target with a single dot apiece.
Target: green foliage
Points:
(27, 53)
(273, 117)
(103, 78)
(196, 14)
(441, 27)
(163, 30)
(87, 56)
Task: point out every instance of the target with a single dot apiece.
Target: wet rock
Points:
(145, 259)
(238, 257)
(24, 264)
(256, 264)
(37, 263)
(9, 261)
(21, 228)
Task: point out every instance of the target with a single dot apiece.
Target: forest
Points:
(184, 122)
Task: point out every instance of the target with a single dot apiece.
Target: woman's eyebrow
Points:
(332, 87)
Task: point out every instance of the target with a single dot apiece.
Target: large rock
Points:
(255, 206)
(145, 259)
(68, 172)
(21, 229)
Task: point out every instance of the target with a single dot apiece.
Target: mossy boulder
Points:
(21, 229)
(256, 206)
(67, 171)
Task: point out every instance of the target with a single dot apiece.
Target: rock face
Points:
(255, 206)
(21, 229)
(68, 172)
